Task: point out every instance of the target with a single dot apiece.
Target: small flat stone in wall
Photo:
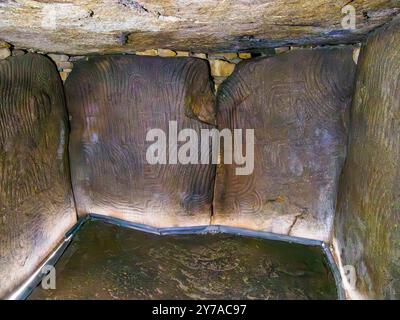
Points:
(58, 57)
(222, 55)
(220, 68)
(62, 65)
(356, 53)
(230, 55)
(182, 53)
(64, 75)
(150, 52)
(4, 53)
(235, 61)
(76, 58)
(199, 55)
(166, 53)
(244, 55)
(282, 50)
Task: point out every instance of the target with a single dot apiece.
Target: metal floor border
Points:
(30, 284)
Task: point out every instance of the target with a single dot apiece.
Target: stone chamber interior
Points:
(83, 82)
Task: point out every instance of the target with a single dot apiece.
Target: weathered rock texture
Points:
(4, 44)
(36, 203)
(113, 102)
(297, 105)
(367, 224)
(84, 26)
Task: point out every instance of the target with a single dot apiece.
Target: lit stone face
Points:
(36, 203)
(367, 224)
(297, 103)
(113, 102)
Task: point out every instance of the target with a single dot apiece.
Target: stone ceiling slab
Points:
(93, 26)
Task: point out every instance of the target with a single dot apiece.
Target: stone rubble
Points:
(64, 66)
(221, 68)
(222, 64)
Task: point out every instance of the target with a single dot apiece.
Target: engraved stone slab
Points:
(367, 225)
(113, 102)
(36, 202)
(297, 104)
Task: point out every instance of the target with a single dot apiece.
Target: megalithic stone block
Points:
(113, 102)
(297, 103)
(36, 202)
(367, 224)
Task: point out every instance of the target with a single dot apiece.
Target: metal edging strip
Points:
(33, 281)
